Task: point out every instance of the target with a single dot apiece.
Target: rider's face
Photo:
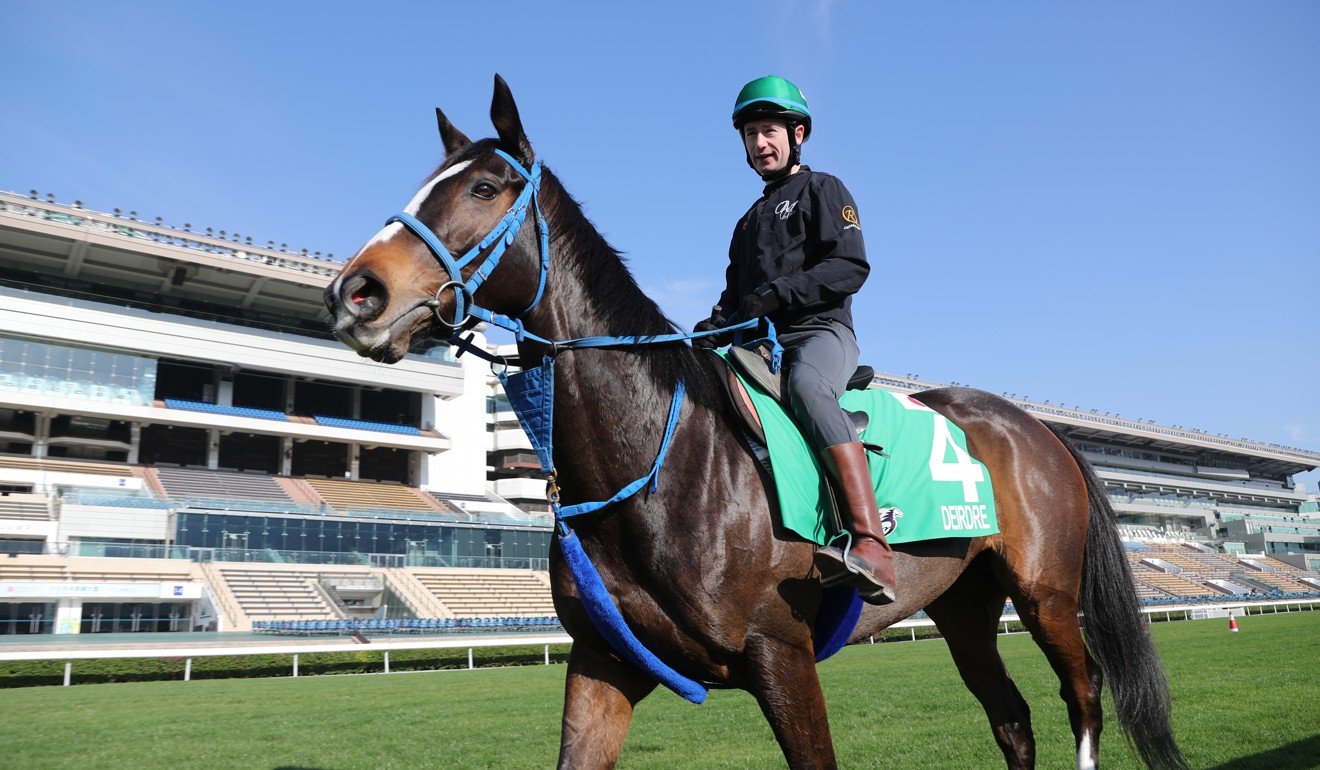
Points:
(766, 142)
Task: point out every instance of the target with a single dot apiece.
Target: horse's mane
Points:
(618, 299)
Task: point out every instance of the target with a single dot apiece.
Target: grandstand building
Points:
(169, 395)
(184, 446)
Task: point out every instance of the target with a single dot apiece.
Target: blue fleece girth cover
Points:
(611, 625)
(840, 609)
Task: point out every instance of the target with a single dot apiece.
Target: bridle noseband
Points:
(500, 237)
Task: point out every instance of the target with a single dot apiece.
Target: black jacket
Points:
(804, 239)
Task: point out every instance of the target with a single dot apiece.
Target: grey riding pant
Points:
(818, 362)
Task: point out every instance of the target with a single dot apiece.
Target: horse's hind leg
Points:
(599, 696)
(967, 615)
(782, 678)
(1051, 617)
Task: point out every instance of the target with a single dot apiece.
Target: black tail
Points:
(1117, 634)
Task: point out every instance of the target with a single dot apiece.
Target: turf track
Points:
(1246, 701)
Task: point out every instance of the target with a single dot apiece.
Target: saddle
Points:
(754, 364)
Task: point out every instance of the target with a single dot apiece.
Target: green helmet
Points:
(772, 97)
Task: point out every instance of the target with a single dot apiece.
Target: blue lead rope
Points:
(611, 625)
(531, 395)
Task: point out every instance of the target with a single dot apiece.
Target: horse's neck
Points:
(610, 407)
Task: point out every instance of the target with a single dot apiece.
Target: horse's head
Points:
(395, 288)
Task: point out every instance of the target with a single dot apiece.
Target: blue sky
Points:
(1114, 205)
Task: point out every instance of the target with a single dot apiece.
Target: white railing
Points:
(541, 640)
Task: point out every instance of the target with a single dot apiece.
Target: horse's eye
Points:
(484, 190)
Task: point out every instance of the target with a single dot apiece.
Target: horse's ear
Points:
(504, 116)
(454, 140)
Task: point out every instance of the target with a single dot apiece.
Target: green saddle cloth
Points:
(928, 487)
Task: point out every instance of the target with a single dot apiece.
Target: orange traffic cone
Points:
(1232, 624)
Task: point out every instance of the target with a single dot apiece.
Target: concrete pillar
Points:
(134, 442)
(289, 386)
(428, 410)
(357, 403)
(416, 467)
(286, 456)
(213, 449)
(426, 473)
(354, 461)
(41, 432)
(224, 394)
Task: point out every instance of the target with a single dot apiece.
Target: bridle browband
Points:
(500, 237)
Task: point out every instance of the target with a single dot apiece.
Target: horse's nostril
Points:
(363, 296)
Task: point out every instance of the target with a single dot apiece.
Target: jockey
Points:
(797, 257)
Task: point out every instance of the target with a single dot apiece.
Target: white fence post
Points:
(295, 664)
(68, 672)
(187, 669)
(547, 654)
(470, 659)
(387, 661)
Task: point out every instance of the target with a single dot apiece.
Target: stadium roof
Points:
(108, 250)
(220, 267)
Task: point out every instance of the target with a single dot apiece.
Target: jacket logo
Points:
(785, 209)
(850, 216)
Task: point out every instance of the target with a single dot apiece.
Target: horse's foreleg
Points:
(967, 616)
(782, 677)
(599, 696)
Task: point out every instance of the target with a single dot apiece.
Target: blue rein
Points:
(531, 394)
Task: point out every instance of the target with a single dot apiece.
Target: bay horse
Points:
(698, 568)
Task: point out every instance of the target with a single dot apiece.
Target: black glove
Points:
(716, 321)
(761, 302)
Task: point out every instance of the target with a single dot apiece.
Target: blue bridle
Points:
(502, 236)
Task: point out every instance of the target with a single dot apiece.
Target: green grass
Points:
(1245, 701)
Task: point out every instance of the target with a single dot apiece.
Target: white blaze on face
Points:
(415, 205)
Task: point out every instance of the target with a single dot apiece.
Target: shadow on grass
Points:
(1298, 755)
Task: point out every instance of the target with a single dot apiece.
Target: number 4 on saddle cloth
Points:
(927, 484)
